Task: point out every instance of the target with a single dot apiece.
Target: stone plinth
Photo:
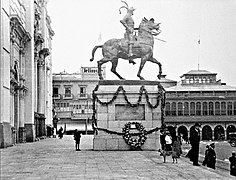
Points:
(114, 115)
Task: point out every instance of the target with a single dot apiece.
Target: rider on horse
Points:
(128, 23)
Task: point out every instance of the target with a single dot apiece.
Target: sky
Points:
(81, 25)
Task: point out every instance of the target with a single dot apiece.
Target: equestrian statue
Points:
(132, 46)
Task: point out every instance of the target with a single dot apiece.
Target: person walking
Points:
(211, 162)
(162, 139)
(77, 136)
(60, 133)
(232, 161)
(54, 132)
(206, 155)
(195, 142)
(176, 147)
(168, 140)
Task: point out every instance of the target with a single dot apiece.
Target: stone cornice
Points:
(17, 27)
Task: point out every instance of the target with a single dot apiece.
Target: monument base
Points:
(118, 103)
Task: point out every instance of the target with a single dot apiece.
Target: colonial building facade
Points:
(200, 97)
(25, 71)
(72, 99)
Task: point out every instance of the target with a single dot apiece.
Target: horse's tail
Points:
(94, 50)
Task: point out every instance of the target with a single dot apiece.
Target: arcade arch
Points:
(219, 133)
(184, 131)
(206, 133)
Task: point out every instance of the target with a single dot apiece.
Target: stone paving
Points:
(54, 158)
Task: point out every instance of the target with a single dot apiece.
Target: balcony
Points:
(67, 96)
(56, 96)
(82, 96)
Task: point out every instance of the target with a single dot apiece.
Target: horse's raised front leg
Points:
(100, 63)
(153, 60)
(142, 63)
(113, 67)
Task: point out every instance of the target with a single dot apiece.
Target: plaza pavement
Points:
(54, 158)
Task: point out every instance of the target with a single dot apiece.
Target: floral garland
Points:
(142, 135)
(120, 88)
(160, 96)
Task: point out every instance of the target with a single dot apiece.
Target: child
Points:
(206, 155)
(211, 162)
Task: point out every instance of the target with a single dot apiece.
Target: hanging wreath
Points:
(134, 142)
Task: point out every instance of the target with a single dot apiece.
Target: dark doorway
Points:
(219, 133)
(183, 132)
(206, 133)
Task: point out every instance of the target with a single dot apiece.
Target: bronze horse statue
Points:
(114, 49)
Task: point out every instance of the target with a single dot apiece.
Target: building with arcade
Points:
(200, 97)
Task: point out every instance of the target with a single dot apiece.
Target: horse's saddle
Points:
(124, 43)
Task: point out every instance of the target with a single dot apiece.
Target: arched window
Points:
(230, 108)
(223, 108)
(198, 109)
(173, 109)
(211, 109)
(186, 109)
(180, 109)
(234, 108)
(205, 110)
(167, 109)
(217, 108)
(192, 109)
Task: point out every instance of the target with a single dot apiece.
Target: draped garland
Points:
(142, 134)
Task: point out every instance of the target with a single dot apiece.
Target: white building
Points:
(72, 96)
(25, 71)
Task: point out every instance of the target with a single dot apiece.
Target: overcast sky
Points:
(78, 24)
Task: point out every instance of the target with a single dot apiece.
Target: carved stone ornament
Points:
(42, 55)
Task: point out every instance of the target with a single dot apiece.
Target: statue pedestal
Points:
(113, 111)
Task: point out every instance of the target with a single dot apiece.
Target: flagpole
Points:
(199, 42)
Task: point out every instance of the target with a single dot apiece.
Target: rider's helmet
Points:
(152, 20)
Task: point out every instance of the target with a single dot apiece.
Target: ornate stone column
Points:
(41, 88)
(41, 79)
(22, 135)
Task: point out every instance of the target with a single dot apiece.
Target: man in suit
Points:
(77, 136)
(195, 141)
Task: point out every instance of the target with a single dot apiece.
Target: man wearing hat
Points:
(195, 141)
(232, 161)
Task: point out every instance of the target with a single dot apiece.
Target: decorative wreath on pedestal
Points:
(142, 135)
